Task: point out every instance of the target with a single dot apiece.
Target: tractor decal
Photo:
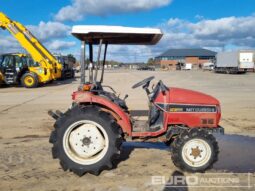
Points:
(181, 108)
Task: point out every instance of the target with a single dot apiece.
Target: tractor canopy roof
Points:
(117, 34)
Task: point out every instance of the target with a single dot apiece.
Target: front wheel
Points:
(86, 140)
(29, 80)
(195, 150)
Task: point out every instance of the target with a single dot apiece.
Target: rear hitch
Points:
(55, 115)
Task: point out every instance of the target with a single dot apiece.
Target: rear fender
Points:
(89, 98)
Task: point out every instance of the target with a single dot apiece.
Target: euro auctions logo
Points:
(231, 180)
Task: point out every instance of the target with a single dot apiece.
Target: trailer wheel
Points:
(73, 74)
(29, 80)
(195, 150)
(86, 140)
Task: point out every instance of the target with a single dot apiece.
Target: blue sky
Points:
(213, 24)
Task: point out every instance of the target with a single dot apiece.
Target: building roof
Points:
(117, 34)
(197, 52)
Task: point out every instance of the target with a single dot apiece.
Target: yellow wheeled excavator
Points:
(46, 62)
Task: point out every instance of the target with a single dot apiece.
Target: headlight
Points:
(40, 70)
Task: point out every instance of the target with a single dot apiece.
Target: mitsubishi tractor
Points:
(87, 138)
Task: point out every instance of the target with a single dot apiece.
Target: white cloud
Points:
(130, 53)
(237, 31)
(80, 8)
(228, 32)
(199, 17)
(48, 30)
(59, 45)
(8, 44)
(224, 33)
(51, 34)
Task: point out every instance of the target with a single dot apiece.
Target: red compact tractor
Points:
(87, 138)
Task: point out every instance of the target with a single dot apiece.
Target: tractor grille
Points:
(207, 121)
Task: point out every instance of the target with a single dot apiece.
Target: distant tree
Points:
(112, 62)
(71, 57)
(150, 61)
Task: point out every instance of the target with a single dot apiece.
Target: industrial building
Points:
(173, 58)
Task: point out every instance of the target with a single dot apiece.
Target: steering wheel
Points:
(143, 82)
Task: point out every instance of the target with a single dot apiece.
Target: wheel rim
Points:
(85, 142)
(196, 152)
(29, 81)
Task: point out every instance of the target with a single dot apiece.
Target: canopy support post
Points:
(102, 74)
(98, 60)
(83, 51)
(90, 64)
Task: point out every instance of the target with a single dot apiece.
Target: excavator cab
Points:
(67, 66)
(12, 67)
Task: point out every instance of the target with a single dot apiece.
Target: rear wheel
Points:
(86, 140)
(195, 150)
(29, 80)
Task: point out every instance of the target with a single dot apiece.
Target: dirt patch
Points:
(249, 128)
(30, 136)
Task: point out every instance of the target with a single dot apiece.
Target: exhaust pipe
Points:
(55, 115)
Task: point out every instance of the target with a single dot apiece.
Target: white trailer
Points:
(187, 66)
(235, 62)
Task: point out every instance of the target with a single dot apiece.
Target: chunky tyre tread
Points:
(53, 137)
(183, 138)
(75, 114)
(63, 165)
(34, 76)
(54, 152)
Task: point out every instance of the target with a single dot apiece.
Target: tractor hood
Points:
(184, 96)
